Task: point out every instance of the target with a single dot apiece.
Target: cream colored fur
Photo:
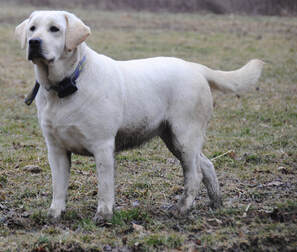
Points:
(121, 104)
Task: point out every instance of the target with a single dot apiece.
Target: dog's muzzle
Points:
(35, 49)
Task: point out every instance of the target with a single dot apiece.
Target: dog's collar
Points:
(65, 88)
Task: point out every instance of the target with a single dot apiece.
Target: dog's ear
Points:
(21, 33)
(76, 31)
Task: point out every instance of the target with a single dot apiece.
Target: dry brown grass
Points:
(250, 7)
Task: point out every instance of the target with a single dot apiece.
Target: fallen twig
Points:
(246, 210)
(224, 154)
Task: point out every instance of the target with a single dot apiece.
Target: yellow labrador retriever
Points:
(90, 104)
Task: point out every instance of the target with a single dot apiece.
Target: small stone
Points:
(3, 207)
(25, 215)
(107, 248)
(3, 219)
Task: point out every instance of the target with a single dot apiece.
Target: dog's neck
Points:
(49, 75)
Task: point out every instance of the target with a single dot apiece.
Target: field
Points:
(252, 140)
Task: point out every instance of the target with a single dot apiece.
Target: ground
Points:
(251, 139)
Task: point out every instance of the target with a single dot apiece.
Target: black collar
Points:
(65, 88)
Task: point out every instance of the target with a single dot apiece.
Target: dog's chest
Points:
(66, 132)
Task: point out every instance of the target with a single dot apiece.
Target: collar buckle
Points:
(66, 87)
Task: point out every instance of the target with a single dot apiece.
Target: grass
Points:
(259, 127)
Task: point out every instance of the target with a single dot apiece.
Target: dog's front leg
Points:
(59, 160)
(105, 171)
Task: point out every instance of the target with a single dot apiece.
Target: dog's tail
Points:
(236, 81)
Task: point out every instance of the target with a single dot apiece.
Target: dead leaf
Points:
(198, 242)
(274, 183)
(232, 154)
(137, 227)
(214, 221)
(32, 169)
(261, 171)
(2, 196)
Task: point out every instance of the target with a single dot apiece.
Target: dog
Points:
(90, 104)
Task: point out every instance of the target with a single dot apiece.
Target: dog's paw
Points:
(216, 204)
(103, 219)
(54, 215)
(177, 212)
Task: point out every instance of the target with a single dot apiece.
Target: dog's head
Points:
(49, 35)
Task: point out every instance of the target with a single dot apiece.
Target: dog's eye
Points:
(54, 29)
(32, 28)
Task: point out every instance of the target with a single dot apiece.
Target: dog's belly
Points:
(127, 139)
(130, 138)
(78, 140)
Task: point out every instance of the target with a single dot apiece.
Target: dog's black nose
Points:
(35, 42)
(35, 50)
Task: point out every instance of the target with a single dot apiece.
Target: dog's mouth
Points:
(38, 56)
(35, 53)
(50, 61)
(35, 56)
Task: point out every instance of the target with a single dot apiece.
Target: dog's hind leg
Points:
(210, 180)
(192, 180)
(203, 165)
(186, 146)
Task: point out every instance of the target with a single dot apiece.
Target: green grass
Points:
(259, 127)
